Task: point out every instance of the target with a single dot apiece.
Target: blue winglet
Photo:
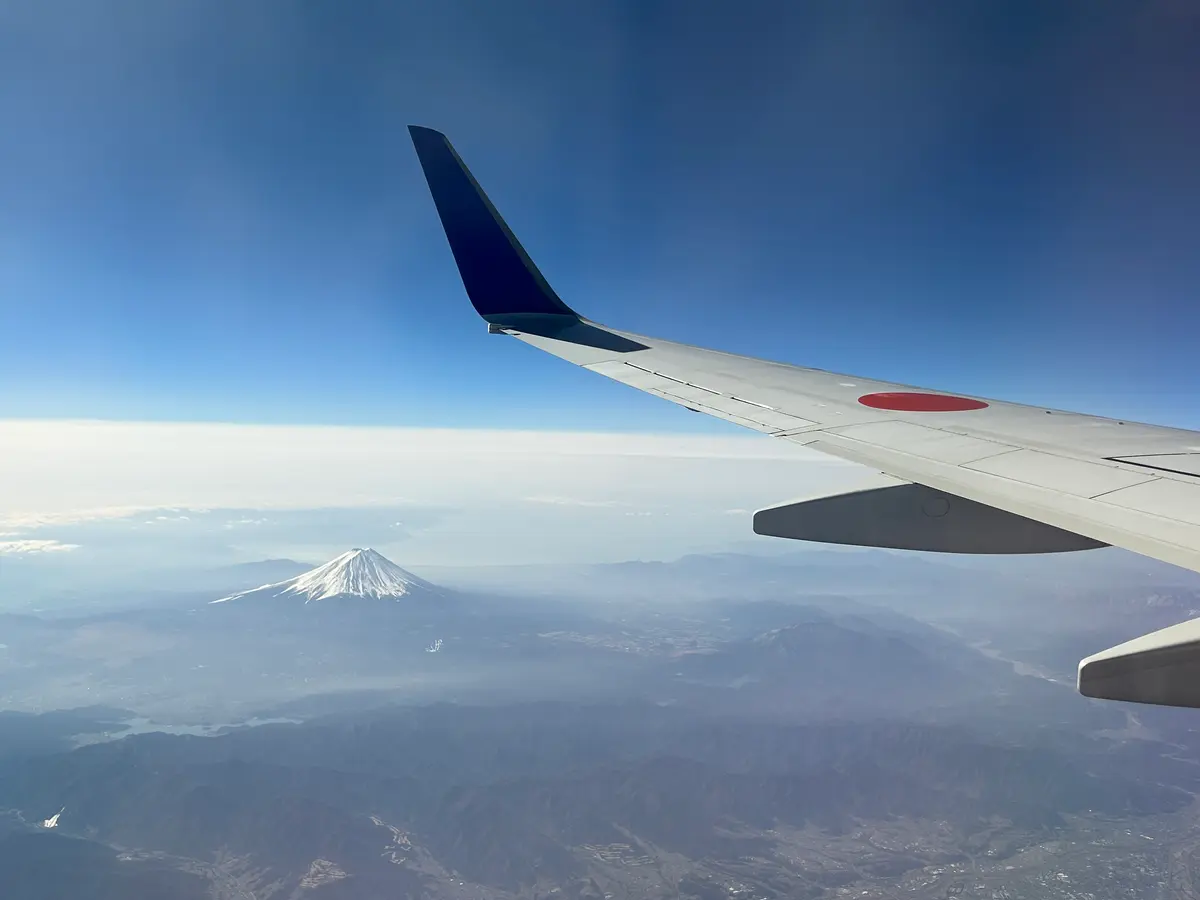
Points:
(499, 276)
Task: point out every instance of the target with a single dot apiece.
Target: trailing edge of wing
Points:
(499, 276)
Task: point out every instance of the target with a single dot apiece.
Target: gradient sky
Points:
(210, 210)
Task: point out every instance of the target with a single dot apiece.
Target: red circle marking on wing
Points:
(913, 401)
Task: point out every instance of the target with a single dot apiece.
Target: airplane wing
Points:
(964, 474)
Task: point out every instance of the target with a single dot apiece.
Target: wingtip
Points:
(421, 131)
(499, 277)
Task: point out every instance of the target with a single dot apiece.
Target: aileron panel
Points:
(1059, 473)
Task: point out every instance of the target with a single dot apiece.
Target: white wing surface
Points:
(968, 474)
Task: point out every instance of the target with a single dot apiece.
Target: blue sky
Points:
(210, 210)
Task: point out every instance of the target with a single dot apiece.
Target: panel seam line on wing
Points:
(1126, 487)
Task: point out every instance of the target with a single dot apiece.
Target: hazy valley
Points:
(722, 726)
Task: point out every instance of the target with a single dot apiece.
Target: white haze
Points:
(152, 493)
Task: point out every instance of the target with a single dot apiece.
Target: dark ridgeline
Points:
(50, 866)
(505, 796)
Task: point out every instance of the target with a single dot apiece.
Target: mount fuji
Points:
(356, 573)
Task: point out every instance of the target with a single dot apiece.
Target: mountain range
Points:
(780, 741)
(580, 800)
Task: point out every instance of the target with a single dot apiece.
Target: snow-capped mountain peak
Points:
(361, 572)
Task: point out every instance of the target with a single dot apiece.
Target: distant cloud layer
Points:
(233, 492)
(33, 546)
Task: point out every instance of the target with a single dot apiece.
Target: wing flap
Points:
(1069, 476)
(1161, 497)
